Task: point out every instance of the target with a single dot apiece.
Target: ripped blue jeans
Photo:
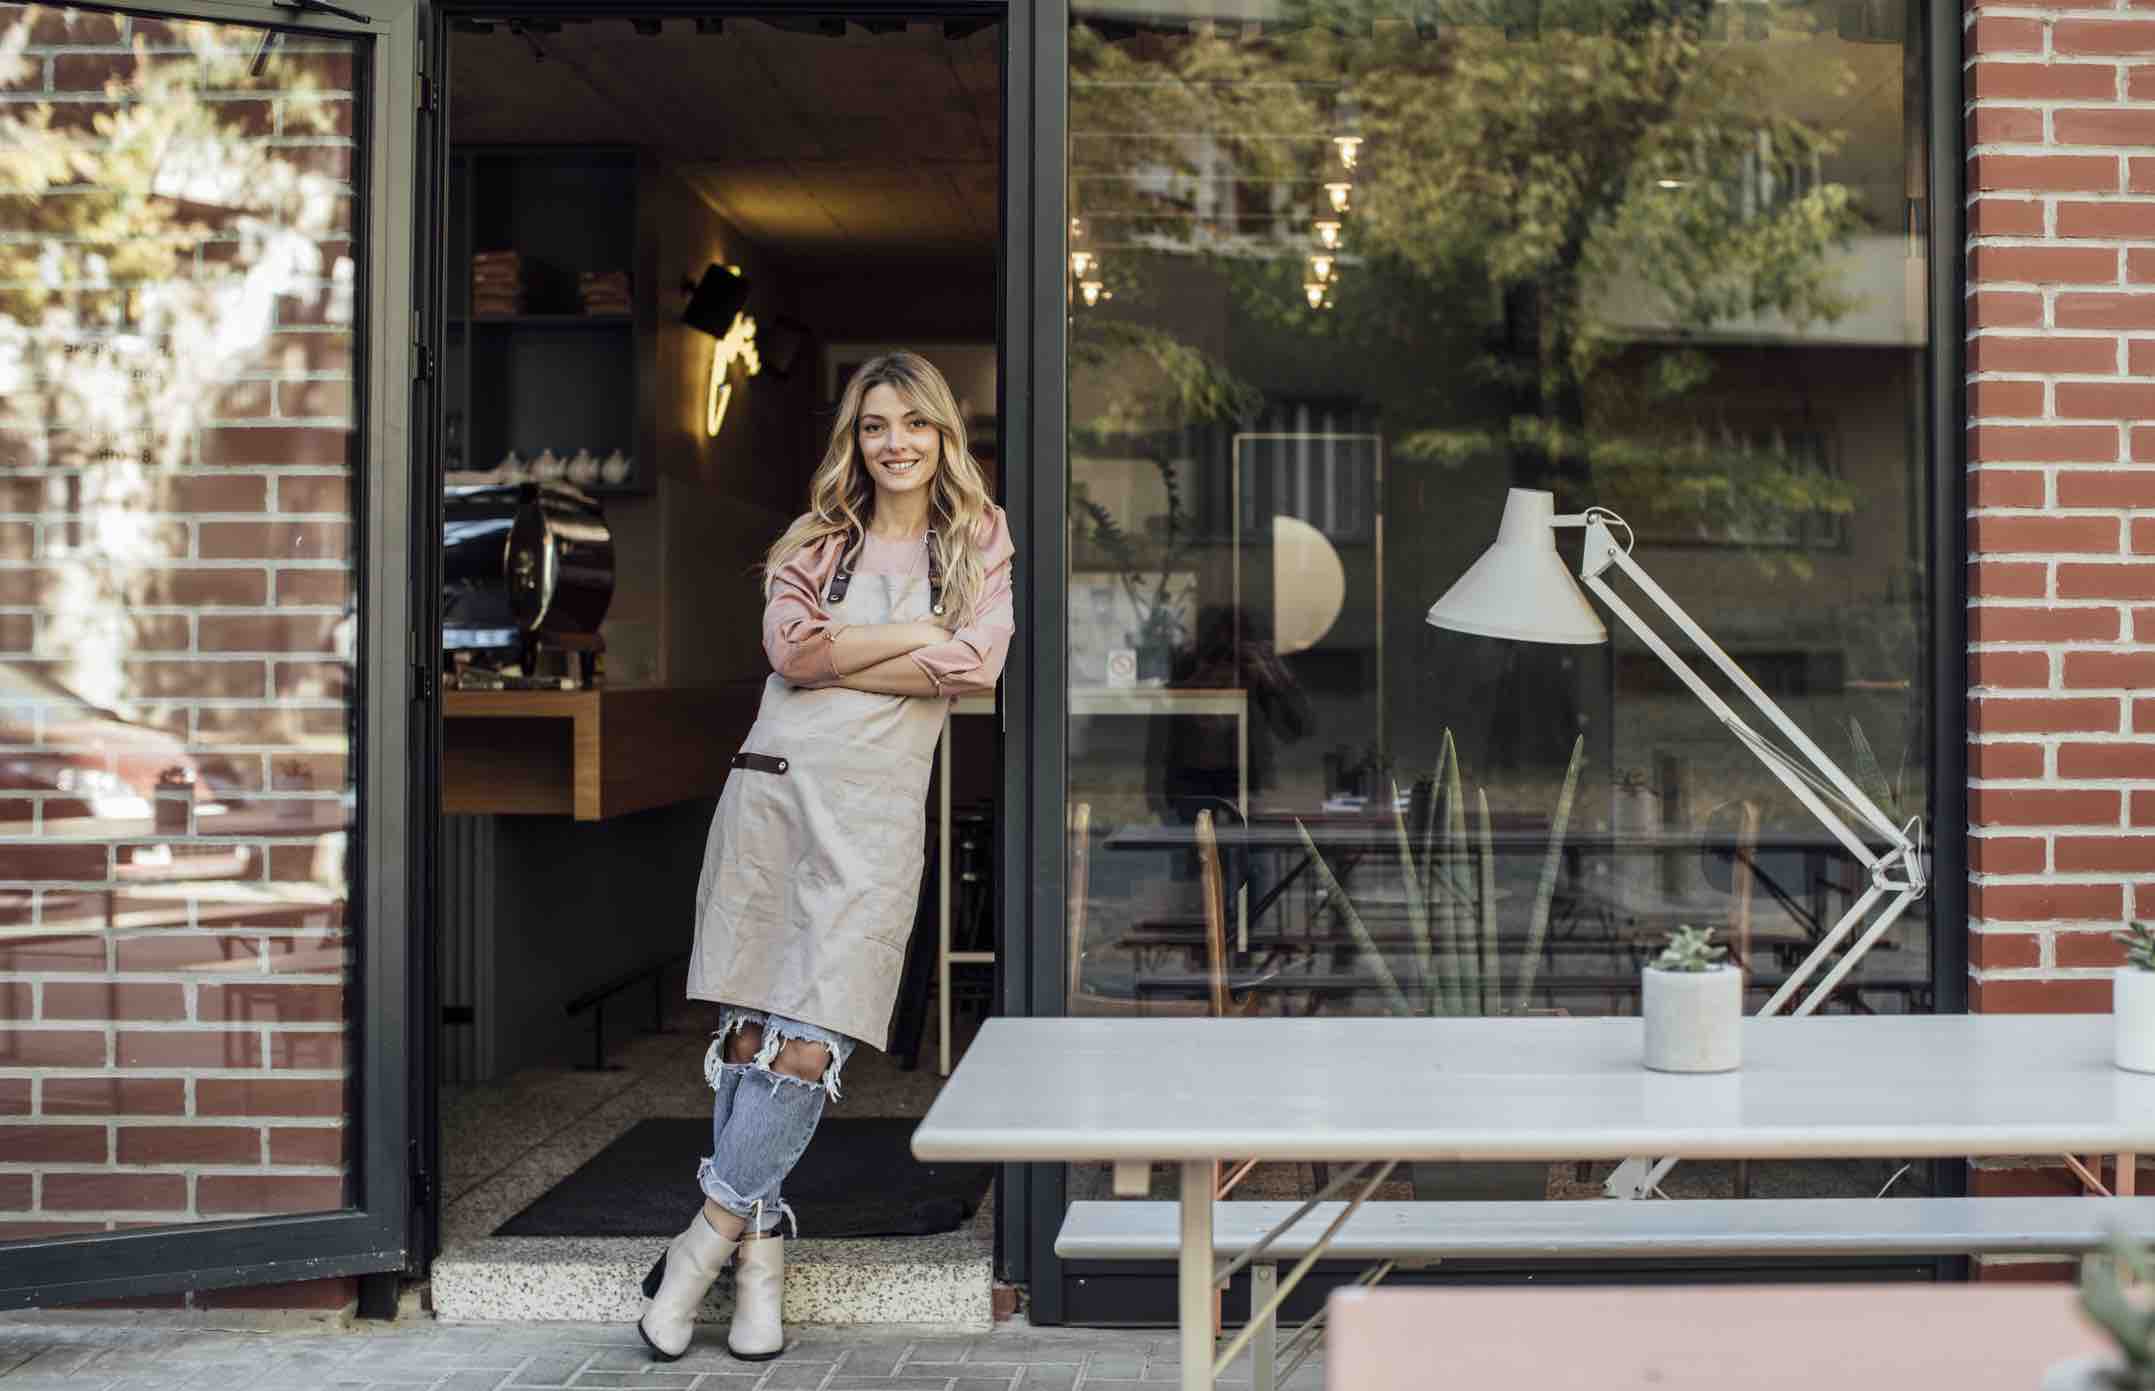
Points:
(761, 1118)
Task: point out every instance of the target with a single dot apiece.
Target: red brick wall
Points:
(175, 443)
(2061, 531)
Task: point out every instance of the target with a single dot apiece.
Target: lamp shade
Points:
(716, 299)
(1520, 589)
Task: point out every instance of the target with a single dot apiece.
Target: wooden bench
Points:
(1392, 1234)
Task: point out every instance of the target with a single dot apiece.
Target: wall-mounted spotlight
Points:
(1328, 234)
(1338, 193)
(714, 300)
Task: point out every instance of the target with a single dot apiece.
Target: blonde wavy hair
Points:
(841, 499)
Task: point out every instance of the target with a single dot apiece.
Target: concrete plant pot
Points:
(1694, 1019)
(2132, 1005)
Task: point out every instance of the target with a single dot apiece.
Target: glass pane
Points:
(178, 352)
(1341, 276)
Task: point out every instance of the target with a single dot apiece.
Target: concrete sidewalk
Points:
(414, 1353)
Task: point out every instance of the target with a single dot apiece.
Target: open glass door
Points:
(206, 693)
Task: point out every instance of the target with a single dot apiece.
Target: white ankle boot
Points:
(677, 1285)
(759, 1289)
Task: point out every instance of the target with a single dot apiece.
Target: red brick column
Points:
(2061, 490)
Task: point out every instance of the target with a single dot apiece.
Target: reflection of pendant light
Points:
(1320, 267)
(1080, 263)
(1314, 289)
(1328, 234)
(1338, 193)
(1347, 129)
(1093, 291)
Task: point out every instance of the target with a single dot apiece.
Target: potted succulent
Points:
(1693, 1004)
(2129, 1322)
(2133, 1000)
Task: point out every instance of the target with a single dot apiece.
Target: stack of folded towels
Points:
(604, 291)
(497, 283)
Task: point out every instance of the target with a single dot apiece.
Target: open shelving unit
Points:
(550, 377)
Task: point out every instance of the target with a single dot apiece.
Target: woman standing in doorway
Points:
(887, 599)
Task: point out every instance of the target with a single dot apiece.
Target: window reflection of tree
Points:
(1518, 162)
(174, 250)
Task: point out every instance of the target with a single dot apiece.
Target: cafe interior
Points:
(668, 244)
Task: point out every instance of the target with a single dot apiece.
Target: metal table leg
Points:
(1265, 1347)
(1193, 1276)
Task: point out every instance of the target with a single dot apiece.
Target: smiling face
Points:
(900, 447)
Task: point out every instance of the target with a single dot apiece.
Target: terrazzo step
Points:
(940, 1281)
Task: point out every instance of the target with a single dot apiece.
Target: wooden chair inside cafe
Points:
(1218, 1002)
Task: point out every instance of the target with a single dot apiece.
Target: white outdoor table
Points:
(1192, 1091)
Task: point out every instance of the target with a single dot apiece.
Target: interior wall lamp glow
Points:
(1520, 590)
(737, 345)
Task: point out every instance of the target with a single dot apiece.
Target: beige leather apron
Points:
(811, 875)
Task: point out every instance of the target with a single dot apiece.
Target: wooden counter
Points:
(589, 754)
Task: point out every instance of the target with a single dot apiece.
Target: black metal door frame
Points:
(373, 1233)
(1020, 372)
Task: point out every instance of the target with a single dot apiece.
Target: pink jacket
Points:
(798, 627)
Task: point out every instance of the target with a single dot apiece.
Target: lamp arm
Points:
(1602, 552)
(1639, 1177)
(1712, 700)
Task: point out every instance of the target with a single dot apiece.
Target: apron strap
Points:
(935, 578)
(842, 577)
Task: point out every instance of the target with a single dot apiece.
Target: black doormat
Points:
(858, 1178)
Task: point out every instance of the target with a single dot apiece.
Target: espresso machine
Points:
(527, 575)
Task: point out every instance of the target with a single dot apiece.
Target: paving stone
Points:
(1049, 1376)
(419, 1353)
(1111, 1366)
(875, 1361)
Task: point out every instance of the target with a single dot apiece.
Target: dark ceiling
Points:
(819, 140)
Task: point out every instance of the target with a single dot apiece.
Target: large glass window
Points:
(1343, 275)
(179, 351)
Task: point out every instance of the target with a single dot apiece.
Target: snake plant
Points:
(1451, 896)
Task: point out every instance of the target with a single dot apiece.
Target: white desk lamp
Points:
(1520, 590)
